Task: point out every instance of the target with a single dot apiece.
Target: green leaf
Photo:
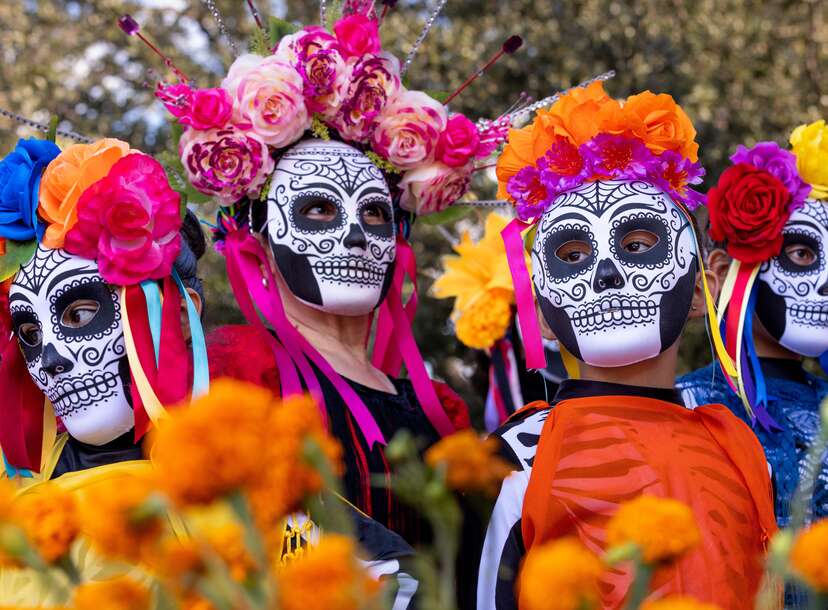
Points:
(440, 96)
(278, 29)
(258, 43)
(51, 135)
(451, 214)
(18, 253)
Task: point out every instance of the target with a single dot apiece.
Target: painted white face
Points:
(329, 223)
(67, 320)
(614, 270)
(792, 297)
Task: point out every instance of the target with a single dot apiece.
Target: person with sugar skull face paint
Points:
(769, 222)
(615, 273)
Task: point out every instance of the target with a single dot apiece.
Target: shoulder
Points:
(520, 435)
(241, 352)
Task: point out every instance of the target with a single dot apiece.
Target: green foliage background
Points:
(744, 70)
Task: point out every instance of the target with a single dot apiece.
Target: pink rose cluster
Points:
(345, 80)
(129, 222)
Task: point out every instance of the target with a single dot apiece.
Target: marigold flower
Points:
(662, 528)
(678, 602)
(471, 462)
(560, 575)
(228, 543)
(49, 518)
(108, 518)
(484, 322)
(809, 556)
(120, 593)
(665, 124)
(328, 577)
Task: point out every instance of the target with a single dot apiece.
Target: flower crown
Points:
(103, 201)
(587, 136)
(755, 197)
(331, 83)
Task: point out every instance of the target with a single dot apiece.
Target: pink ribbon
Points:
(524, 297)
(386, 356)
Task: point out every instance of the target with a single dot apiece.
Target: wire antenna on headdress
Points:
(130, 27)
(45, 128)
(426, 29)
(216, 13)
(323, 12)
(256, 15)
(548, 101)
(512, 44)
(387, 6)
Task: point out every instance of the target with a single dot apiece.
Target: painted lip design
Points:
(350, 269)
(614, 311)
(69, 395)
(809, 313)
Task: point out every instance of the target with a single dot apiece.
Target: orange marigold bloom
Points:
(328, 577)
(559, 575)
(678, 602)
(471, 463)
(227, 541)
(108, 517)
(809, 556)
(120, 593)
(662, 528)
(665, 125)
(49, 517)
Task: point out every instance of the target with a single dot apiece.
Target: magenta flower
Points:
(129, 221)
(434, 187)
(779, 163)
(529, 193)
(318, 59)
(176, 98)
(358, 35)
(615, 157)
(459, 142)
(674, 174)
(209, 109)
(408, 129)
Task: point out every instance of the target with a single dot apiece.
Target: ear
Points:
(546, 332)
(185, 319)
(718, 262)
(698, 308)
(196, 299)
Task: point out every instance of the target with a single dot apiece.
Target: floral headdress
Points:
(583, 137)
(749, 207)
(113, 204)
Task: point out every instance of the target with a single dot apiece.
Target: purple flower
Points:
(324, 72)
(779, 163)
(673, 174)
(615, 157)
(529, 192)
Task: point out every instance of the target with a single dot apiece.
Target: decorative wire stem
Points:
(323, 12)
(256, 15)
(216, 13)
(426, 29)
(45, 128)
(485, 203)
(548, 101)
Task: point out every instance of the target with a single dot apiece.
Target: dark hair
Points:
(193, 246)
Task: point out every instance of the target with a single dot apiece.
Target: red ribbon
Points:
(21, 412)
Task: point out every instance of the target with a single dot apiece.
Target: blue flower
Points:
(20, 174)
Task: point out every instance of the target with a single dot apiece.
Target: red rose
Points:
(748, 209)
(454, 406)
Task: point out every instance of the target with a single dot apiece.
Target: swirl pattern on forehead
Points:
(347, 168)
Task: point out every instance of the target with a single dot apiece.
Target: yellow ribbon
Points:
(155, 410)
(570, 362)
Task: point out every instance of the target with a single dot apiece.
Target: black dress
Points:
(80, 456)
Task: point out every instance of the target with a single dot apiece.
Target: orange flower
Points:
(120, 593)
(49, 517)
(471, 463)
(560, 575)
(808, 556)
(67, 177)
(665, 125)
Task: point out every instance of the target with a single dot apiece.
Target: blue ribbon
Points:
(152, 295)
(13, 472)
(759, 401)
(201, 368)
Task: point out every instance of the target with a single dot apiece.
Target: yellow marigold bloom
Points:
(328, 577)
(560, 575)
(810, 145)
(109, 520)
(678, 602)
(471, 463)
(49, 517)
(484, 322)
(662, 528)
(175, 559)
(214, 447)
(809, 556)
(116, 594)
(228, 543)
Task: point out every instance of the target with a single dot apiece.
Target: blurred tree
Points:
(744, 70)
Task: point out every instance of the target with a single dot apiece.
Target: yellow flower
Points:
(678, 602)
(109, 520)
(121, 593)
(471, 463)
(662, 528)
(560, 575)
(7, 495)
(809, 556)
(328, 577)
(810, 145)
(49, 518)
(484, 322)
(228, 543)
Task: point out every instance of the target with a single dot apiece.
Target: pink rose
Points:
(358, 35)
(268, 99)
(129, 221)
(176, 98)
(209, 109)
(434, 187)
(374, 80)
(225, 163)
(459, 142)
(408, 129)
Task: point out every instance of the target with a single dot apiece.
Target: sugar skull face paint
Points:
(67, 321)
(614, 269)
(330, 227)
(792, 298)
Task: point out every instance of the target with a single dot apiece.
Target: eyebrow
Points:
(67, 274)
(572, 216)
(629, 206)
(328, 186)
(807, 224)
(16, 296)
(374, 190)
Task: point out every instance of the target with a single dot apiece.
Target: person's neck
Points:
(768, 347)
(657, 372)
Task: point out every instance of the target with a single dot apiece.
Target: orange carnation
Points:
(662, 124)
(67, 177)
